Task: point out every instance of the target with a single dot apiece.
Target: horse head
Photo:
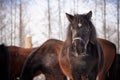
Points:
(82, 31)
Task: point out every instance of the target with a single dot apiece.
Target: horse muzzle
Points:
(80, 45)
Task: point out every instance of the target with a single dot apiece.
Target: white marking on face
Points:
(79, 24)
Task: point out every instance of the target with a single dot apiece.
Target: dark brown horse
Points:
(83, 56)
(45, 60)
(4, 63)
(18, 56)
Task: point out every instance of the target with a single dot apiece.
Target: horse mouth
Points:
(81, 54)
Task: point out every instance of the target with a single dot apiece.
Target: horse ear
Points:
(89, 14)
(70, 17)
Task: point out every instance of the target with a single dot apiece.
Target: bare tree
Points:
(118, 6)
(14, 22)
(11, 14)
(20, 23)
(59, 21)
(74, 6)
(104, 19)
(95, 11)
(77, 5)
(49, 19)
(2, 24)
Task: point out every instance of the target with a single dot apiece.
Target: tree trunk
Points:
(95, 11)
(20, 24)
(118, 5)
(14, 31)
(11, 12)
(59, 22)
(104, 19)
(2, 24)
(49, 22)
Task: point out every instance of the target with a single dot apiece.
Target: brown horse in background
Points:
(18, 56)
(84, 56)
(4, 63)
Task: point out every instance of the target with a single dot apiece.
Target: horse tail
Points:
(4, 63)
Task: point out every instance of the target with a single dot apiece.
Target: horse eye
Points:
(79, 25)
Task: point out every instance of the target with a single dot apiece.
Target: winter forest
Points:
(45, 19)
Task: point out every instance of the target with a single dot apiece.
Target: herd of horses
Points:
(82, 56)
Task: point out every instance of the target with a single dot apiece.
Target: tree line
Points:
(14, 18)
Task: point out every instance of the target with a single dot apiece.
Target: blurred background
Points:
(44, 19)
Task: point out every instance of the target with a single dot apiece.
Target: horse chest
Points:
(83, 64)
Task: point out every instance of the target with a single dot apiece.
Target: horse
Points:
(44, 59)
(18, 56)
(115, 69)
(83, 55)
(4, 63)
